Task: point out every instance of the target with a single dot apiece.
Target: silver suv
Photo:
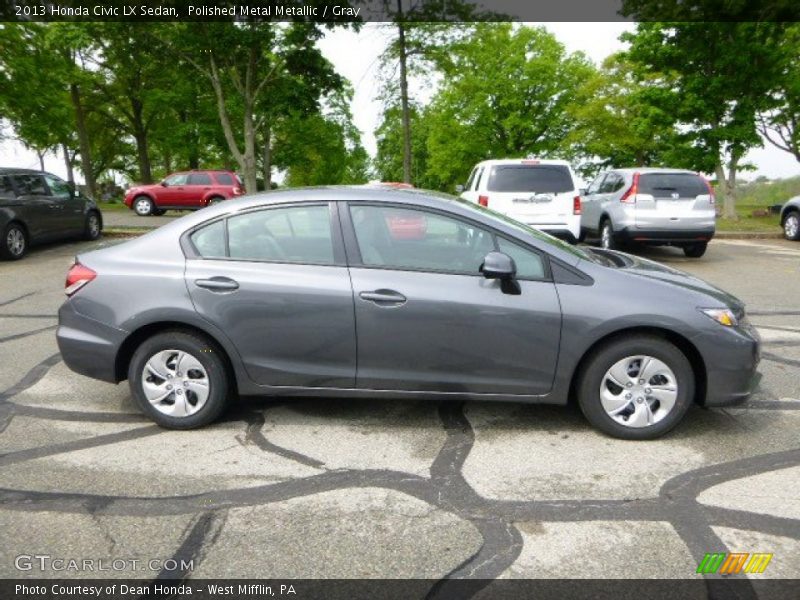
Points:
(651, 206)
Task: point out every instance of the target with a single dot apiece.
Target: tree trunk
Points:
(40, 154)
(140, 135)
(725, 191)
(267, 159)
(227, 130)
(68, 163)
(83, 139)
(250, 167)
(406, 116)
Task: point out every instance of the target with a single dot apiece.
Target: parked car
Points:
(790, 219)
(539, 193)
(650, 206)
(183, 191)
(309, 292)
(37, 207)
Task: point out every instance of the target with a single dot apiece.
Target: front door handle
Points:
(218, 284)
(385, 297)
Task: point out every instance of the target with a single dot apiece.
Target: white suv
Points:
(539, 193)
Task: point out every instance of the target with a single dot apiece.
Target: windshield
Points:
(542, 179)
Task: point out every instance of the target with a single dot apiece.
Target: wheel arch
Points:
(683, 344)
(787, 210)
(136, 337)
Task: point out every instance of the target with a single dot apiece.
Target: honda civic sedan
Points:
(394, 294)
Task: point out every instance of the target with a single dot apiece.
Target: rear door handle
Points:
(383, 297)
(218, 284)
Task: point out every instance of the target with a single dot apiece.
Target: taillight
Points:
(576, 205)
(711, 199)
(238, 191)
(77, 277)
(629, 197)
(483, 200)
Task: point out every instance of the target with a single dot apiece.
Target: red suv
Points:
(183, 191)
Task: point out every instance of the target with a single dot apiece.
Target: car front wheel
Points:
(636, 388)
(143, 206)
(791, 226)
(179, 380)
(92, 229)
(15, 242)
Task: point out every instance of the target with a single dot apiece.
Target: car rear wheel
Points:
(92, 229)
(179, 380)
(215, 200)
(159, 211)
(15, 242)
(607, 240)
(791, 226)
(636, 388)
(695, 250)
(143, 206)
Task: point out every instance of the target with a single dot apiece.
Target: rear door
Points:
(531, 192)
(275, 280)
(197, 187)
(590, 208)
(36, 207)
(678, 201)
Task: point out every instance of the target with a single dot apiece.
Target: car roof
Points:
(653, 170)
(533, 161)
(17, 171)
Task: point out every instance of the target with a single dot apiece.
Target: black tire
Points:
(601, 360)
(607, 235)
(582, 236)
(215, 200)
(695, 250)
(207, 353)
(791, 225)
(159, 211)
(92, 228)
(14, 244)
(143, 206)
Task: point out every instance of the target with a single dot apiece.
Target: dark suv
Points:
(39, 207)
(183, 191)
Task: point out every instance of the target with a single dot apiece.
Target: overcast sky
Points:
(355, 55)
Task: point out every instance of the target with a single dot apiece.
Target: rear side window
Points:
(31, 185)
(612, 183)
(672, 185)
(223, 178)
(199, 179)
(300, 234)
(6, 189)
(544, 179)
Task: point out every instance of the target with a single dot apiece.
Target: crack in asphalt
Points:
(446, 489)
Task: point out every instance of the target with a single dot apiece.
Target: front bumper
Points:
(732, 374)
(664, 236)
(87, 346)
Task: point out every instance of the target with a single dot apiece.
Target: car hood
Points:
(636, 266)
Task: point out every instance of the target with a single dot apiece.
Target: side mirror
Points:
(583, 191)
(497, 265)
(459, 188)
(164, 183)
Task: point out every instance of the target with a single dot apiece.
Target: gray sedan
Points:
(398, 294)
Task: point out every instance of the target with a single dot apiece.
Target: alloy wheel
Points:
(638, 391)
(15, 241)
(143, 206)
(791, 226)
(175, 383)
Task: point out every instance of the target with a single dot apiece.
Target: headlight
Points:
(723, 316)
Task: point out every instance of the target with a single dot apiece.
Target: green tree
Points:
(780, 124)
(719, 77)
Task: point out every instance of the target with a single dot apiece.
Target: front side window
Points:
(298, 234)
(177, 179)
(58, 187)
(199, 179)
(403, 238)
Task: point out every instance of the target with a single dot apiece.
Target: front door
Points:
(174, 193)
(281, 292)
(427, 320)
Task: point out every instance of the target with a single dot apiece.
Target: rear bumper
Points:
(664, 236)
(733, 375)
(87, 346)
(570, 229)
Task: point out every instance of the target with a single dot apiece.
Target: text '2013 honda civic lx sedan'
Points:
(352, 292)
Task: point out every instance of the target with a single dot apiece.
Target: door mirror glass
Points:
(582, 191)
(497, 265)
(459, 188)
(164, 183)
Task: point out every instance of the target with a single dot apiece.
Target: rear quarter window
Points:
(223, 179)
(6, 189)
(667, 185)
(543, 179)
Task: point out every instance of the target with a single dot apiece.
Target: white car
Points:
(540, 193)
